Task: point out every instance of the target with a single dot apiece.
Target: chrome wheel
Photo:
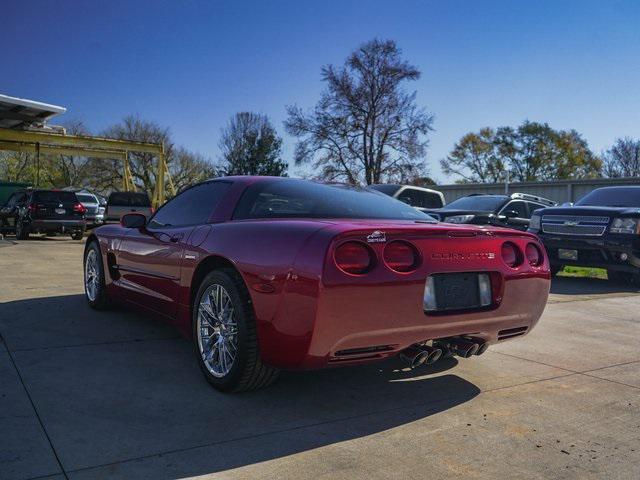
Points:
(91, 275)
(217, 331)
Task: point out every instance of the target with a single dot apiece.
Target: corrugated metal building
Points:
(559, 191)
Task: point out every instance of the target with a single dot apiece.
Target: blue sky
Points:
(191, 64)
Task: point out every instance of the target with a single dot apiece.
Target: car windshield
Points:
(292, 198)
(612, 197)
(481, 203)
(129, 199)
(54, 197)
(86, 198)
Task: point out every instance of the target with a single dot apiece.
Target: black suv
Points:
(513, 211)
(600, 230)
(43, 211)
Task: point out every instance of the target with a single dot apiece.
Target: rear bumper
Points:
(361, 324)
(613, 252)
(56, 225)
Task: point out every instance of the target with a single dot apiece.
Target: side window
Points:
(533, 207)
(191, 207)
(519, 207)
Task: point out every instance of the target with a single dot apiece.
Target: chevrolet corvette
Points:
(265, 274)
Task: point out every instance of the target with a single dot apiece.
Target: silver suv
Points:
(120, 203)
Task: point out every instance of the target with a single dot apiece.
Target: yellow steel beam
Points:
(72, 152)
(76, 145)
(77, 141)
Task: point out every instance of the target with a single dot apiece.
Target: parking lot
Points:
(87, 394)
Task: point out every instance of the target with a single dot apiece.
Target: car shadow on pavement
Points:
(590, 286)
(121, 395)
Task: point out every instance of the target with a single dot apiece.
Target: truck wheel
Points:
(22, 231)
(94, 280)
(224, 335)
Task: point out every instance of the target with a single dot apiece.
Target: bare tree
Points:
(531, 152)
(185, 167)
(251, 146)
(67, 170)
(365, 128)
(475, 158)
(623, 158)
(17, 166)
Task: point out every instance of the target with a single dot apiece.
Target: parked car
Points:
(418, 197)
(9, 210)
(120, 203)
(602, 229)
(95, 212)
(513, 211)
(44, 211)
(272, 273)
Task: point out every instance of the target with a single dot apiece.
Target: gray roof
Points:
(21, 113)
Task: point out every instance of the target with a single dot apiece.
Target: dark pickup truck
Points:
(601, 230)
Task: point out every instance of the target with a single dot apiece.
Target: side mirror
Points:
(133, 220)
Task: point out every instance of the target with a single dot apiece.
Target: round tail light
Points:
(354, 258)
(533, 254)
(401, 256)
(511, 254)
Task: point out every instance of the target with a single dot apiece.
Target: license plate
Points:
(60, 211)
(457, 291)
(565, 254)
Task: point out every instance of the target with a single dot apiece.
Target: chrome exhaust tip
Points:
(414, 356)
(483, 348)
(463, 348)
(434, 354)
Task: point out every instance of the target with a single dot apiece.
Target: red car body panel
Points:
(308, 311)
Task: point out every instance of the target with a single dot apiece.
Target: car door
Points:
(516, 214)
(149, 259)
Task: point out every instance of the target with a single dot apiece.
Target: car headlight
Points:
(458, 219)
(534, 223)
(624, 225)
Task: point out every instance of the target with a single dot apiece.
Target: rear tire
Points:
(233, 312)
(77, 235)
(94, 280)
(22, 231)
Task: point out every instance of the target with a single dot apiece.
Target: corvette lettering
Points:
(464, 256)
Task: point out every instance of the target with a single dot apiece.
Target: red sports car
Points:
(277, 273)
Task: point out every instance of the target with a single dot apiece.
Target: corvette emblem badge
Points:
(376, 237)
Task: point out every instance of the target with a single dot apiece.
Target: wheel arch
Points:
(209, 264)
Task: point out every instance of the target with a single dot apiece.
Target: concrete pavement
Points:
(114, 394)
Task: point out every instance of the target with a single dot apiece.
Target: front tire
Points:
(224, 335)
(77, 235)
(94, 280)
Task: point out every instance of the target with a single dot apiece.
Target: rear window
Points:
(612, 197)
(52, 196)
(83, 197)
(129, 199)
(305, 199)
